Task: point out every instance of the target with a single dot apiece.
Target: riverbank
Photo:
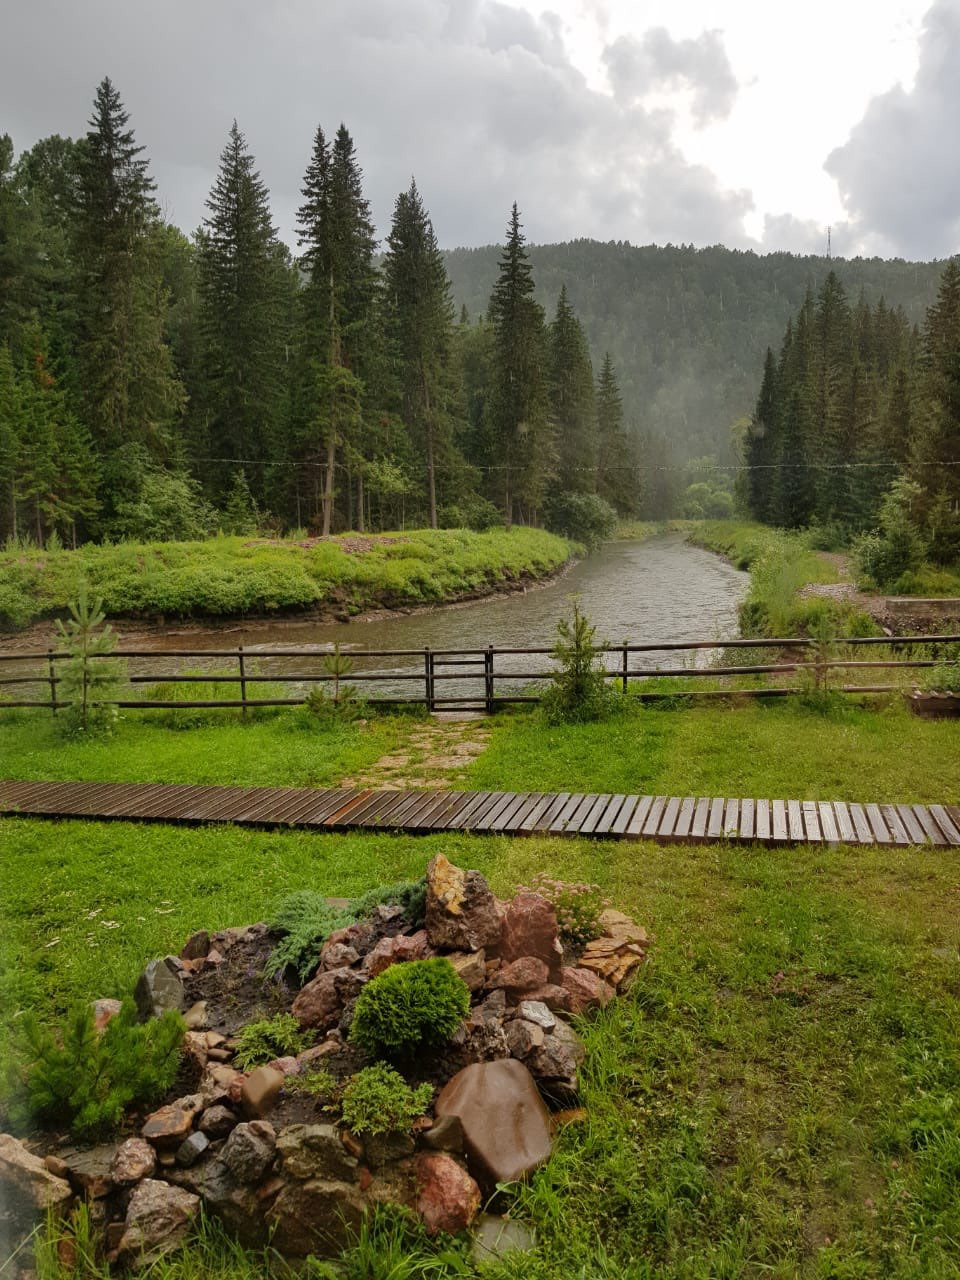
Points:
(332, 579)
(704, 1149)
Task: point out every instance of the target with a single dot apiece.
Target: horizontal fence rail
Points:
(468, 679)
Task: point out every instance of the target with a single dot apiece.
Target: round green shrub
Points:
(379, 1100)
(419, 1003)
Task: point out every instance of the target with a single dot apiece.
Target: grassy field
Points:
(776, 1097)
(226, 577)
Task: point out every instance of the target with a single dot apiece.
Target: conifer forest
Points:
(155, 385)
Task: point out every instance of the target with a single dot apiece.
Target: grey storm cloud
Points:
(656, 60)
(479, 99)
(898, 173)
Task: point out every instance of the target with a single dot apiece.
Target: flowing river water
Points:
(656, 591)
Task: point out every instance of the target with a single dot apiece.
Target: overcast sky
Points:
(745, 122)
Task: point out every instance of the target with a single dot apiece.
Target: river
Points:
(659, 590)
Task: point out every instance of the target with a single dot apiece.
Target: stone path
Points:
(434, 754)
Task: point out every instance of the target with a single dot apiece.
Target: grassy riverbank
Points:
(230, 577)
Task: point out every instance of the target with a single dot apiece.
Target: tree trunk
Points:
(328, 485)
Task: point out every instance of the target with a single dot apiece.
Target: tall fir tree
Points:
(337, 315)
(245, 283)
(572, 406)
(123, 375)
(762, 444)
(419, 315)
(618, 464)
(935, 454)
(520, 452)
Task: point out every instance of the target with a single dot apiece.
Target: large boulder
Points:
(158, 1218)
(322, 1001)
(506, 1127)
(315, 1151)
(530, 929)
(159, 988)
(28, 1190)
(461, 914)
(320, 1216)
(447, 1197)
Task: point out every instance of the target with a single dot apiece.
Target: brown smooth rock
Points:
(133, 1160)
(526, 974)
(196, 1016)
(286, 1066)
(168, 1127)
(587, 989)
(259, 1091)
(506, 1127)
(158, 1217)
(320, 1217)
(448, 1198)
(445, 1134)
(530, 929)
(462, 914)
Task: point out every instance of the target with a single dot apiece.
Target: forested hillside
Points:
(155, 385)
(687, 328)
(857, 430)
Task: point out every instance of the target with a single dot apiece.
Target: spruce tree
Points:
(572, 401)
(245, 283)
(336, 314)
(618, 471)
(419, 316)
(935, 454)
(762, 448)
(123, 375)
(521, 448)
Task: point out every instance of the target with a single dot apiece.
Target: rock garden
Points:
(415, 1047)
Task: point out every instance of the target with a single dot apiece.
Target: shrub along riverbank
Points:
(229, 577)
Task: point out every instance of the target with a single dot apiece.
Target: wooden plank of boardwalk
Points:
(666, 819)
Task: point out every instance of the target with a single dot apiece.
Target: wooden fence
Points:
(428, 671)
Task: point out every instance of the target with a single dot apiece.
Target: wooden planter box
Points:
(933, 706)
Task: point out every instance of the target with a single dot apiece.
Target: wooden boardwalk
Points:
(685, 820)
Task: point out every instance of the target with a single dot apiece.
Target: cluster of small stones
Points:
(305, 1187)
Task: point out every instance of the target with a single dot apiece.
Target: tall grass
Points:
(225, 577)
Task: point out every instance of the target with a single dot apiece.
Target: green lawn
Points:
(777, 1098)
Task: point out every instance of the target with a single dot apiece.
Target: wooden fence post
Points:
(51, 665)
(428, 678)
(243, 682)
(488, 678)
(625, 667)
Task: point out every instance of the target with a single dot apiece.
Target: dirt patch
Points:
(236, 991)
(433, 755)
